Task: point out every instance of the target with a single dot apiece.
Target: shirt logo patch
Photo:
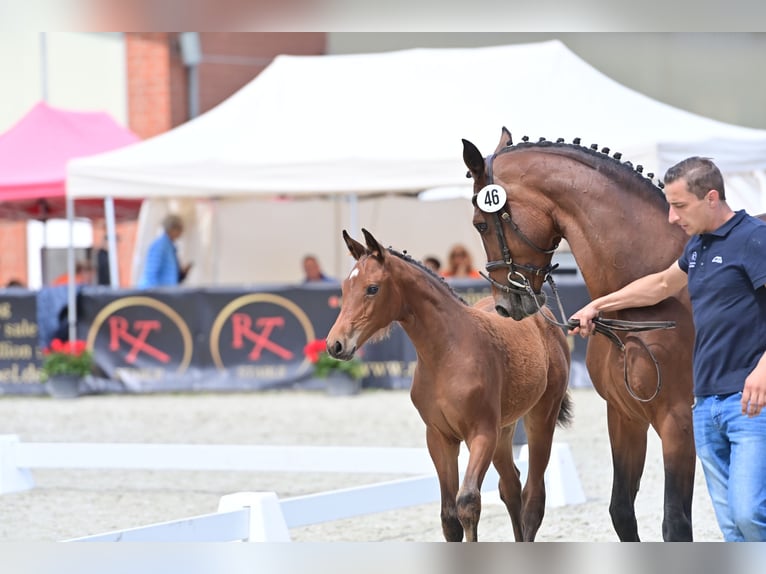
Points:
(693, 260)
(717, 259)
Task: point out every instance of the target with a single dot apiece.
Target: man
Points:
(312, 272)
(724, 267)
(162, 268)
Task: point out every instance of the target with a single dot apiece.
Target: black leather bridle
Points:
(517, 282)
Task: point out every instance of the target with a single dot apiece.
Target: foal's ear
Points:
(473, 159)
(506, 139)
(374, 247)
(356, 248)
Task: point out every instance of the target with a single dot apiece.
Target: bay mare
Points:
(476, 376)
(614, 218)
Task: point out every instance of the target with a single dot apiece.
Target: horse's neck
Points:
(614, 246)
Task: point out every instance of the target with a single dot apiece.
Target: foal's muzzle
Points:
(337, 350)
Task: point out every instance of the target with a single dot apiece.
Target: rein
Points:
(606, 327)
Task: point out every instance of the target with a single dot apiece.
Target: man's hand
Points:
(754, 393)
(585, 316)
(183, 272)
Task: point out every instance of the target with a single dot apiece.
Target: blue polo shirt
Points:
(727, 273)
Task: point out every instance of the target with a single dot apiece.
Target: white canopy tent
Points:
(311, 131)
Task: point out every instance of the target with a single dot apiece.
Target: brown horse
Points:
(615, 220)
(476, 375)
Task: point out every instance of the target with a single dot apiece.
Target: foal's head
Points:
(372, 297)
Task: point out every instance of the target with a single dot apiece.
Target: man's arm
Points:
(643, 292)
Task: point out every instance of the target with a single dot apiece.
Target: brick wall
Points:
(13, 255)
(148, 63)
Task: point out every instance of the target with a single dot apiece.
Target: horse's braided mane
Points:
(409, 259)
(626, 168)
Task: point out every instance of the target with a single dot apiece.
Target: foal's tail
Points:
(566, 414)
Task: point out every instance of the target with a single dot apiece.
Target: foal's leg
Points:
(444, 453)
(482, 449)
(540, 425)
(628, 442)
(509, 484)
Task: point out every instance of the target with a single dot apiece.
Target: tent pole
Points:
(216, 240)
(111, 238)
(43, 66)
(71, 293)
(353, 204)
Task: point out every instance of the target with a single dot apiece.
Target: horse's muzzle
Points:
(517, 306)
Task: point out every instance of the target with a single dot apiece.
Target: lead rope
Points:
(608, 327)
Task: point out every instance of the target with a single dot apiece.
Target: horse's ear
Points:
(374, 247)
(473, 159)
(506, 139)
(356, 248)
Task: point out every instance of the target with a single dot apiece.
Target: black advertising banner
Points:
(211, 339)
(19, 349)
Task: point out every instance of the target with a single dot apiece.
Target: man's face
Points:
(686, 209)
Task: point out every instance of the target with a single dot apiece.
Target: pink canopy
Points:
(34, 154)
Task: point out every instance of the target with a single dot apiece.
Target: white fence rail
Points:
(262, 516)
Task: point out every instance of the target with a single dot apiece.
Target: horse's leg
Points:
(481, 447)
(444, 453)
(509, 485)
(678, 454)
(627, 437)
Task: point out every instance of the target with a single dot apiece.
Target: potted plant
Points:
(65, 364)
(342, 377)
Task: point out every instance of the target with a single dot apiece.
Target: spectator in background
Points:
(83, 274)
(102, 257)
(433, 264)
(460, 265)
(312, 271)
(102, 267)
(162, 268)
(14, 283)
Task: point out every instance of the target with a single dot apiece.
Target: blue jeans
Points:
(732, 449)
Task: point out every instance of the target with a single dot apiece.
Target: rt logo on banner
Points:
(144, 338)
(261, 336)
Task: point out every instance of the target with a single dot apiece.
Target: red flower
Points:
(74, 348)
(66, 358)
(313, 349)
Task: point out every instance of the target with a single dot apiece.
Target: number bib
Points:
(491, 198)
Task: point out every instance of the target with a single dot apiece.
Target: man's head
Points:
(701, 175)
(173, 226)
(695, 191)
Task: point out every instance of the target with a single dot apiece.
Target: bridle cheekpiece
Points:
(517, 281)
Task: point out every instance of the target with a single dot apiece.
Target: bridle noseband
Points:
(517, 282)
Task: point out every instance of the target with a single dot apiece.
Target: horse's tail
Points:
(566, 414)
